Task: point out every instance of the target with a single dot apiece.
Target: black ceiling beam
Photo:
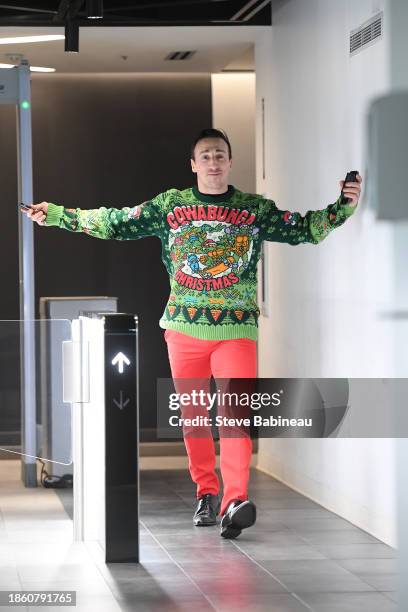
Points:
(126, 23)
(111, 22)
(26, 20)
(169, 4)
(137, 15)
(26, 9)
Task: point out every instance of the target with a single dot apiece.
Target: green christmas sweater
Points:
(211, 246)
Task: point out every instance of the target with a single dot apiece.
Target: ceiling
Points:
(109, 50)
(138, 36)
(117, 13)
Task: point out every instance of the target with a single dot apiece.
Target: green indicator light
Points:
(25, 104)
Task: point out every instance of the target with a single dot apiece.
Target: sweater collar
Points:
(219, 197)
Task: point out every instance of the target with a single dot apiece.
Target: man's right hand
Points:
(38, 212)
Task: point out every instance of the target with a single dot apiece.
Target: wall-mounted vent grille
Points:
(366, 35)
(180, 55)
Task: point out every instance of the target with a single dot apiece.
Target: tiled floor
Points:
(298, 557)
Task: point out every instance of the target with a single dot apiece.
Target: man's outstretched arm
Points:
(313, 227)
(107, 223)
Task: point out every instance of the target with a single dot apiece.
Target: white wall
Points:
(233, 106)
(325, 299)
(398, 45)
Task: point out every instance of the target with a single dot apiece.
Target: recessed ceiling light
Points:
(41, 69)
(32, 68)
(30, 39)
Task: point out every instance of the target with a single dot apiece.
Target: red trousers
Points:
(193, 358)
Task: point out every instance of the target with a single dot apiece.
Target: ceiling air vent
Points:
(179, 55)
(367, 34)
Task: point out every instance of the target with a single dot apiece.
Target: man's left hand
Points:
(352, 190)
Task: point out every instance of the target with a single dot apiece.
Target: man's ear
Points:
(193, 165)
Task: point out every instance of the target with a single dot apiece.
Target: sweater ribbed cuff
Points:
(346, 209)
(54, 214)
(349, 210)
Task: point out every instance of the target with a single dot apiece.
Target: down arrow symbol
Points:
(121, 404)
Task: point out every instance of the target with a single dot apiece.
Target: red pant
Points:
(193, 358)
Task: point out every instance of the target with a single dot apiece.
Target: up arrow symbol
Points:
(120, 359)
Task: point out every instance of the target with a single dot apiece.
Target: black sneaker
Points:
(238, 516)
(207, 509)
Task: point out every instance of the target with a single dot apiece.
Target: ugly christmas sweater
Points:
(211, 246)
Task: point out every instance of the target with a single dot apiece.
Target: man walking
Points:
(211, 236)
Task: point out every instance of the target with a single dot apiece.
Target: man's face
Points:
(212, 165)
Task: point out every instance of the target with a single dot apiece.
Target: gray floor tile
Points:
(159, 518)
(156, 503)
(356, 551)
(6, 562)
(153, 553)
(277, 503)
(284, 537)
(157, 509)
(208, 554)
(349, 602)
(269, 526)
(58, 572)
(155, 603)
(287, 514)
(319, 524)
(83, 588)
(315, 576)
(241, 566)
(381, 582)
(8, 572)
(128, 572)
(172, 527)
(392, 595)
(276, 534)
(30, 556)
(11, 583)
(276, 602)
(145, 537)
(251, 585)
(202, 537)
(268, 492)
(277, 545)
(371, 566)
(267, 552)
(352, 536)
(178, 589)
(180, 528)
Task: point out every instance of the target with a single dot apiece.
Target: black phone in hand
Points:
(351, 177)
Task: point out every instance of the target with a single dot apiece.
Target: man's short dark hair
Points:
(211, 133)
